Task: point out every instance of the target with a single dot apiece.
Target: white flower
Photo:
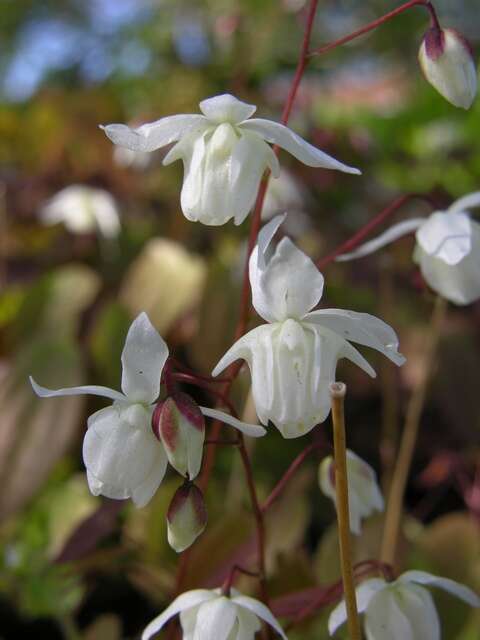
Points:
(122, 456)
(402, 609)
(293, 358)
(225, 154)
(208, 615)
(446, 60)
(447, 249)
(83, 210)
(364, 495)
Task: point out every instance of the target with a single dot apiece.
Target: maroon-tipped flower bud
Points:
(447, 62)
(186, 517)
(180, 425)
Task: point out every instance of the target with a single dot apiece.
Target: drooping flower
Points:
(364, 495)
(293, 358)
(401, 609)
(224, 152)
(123, 457)
(446, 59)
(83, 209)
(209, 615)
(447, 249)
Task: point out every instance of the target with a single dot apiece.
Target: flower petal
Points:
(260, 610)
(385, 619)
(248, 624)
(142, 494)
(364, 593)
(362, 328)
(93, 390)
(455, 588)
(447, 236)
(182, 603)
(226, 108)
(252, 430)
(265, 237)
(215, 619)
(143, 358)
(153, 135)
(390, 235)
(466, 203)
(251, 156)
(289, 285)
(299, 148)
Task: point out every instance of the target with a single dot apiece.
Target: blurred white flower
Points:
(446, 59)
(208, 615)
(364, 495)
(129, 159)
(83, 209)
(123, 457)
(401, 609)
(286, 193)
(447, 249)
(293, 358)
(225, 154)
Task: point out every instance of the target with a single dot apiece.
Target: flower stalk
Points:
(337, 393)
(409, 438)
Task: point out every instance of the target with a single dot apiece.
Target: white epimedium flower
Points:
(447, 249)
(293, 358)
(209, 615)
(224, 152)
(83, 209)
(402, 609)
(364, 495)
(123, 457)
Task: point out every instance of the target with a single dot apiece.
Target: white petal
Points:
(226, 108)
(142, 494)
(362, 328)
(390, 235)
(447, 236)
(99, 488)
(384, 619)
(466, 203)
(260, 610)
(364, 593)
(143, 358)
(289, 285)
(294, 144)
(418, 606)
(248, 624)
(250, 157)
(265, 237)
(154, 135)
(182, 603)
(252, 430)
(455, 588)
(92, 390)
(215, 619)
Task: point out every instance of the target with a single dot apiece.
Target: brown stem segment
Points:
(337, 394)
(409, 438)
(353, 242)
(377, 23)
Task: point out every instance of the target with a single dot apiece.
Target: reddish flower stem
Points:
(227, 585)
(377, 23)
(358, 237)
(284, 480)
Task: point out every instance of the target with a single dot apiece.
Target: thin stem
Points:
(227, 585)
(337, 393)
(409, 438)
(284, 480)
(353, 242)
(377, 23)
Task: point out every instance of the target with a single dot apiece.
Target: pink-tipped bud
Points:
(179, 424)
(186, 517)
(447, 62)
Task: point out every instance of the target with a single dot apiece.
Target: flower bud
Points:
(186, 517)
(447, 62)
(180, 425)
(364, 496)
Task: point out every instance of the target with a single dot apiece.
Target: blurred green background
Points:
(74, 566)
